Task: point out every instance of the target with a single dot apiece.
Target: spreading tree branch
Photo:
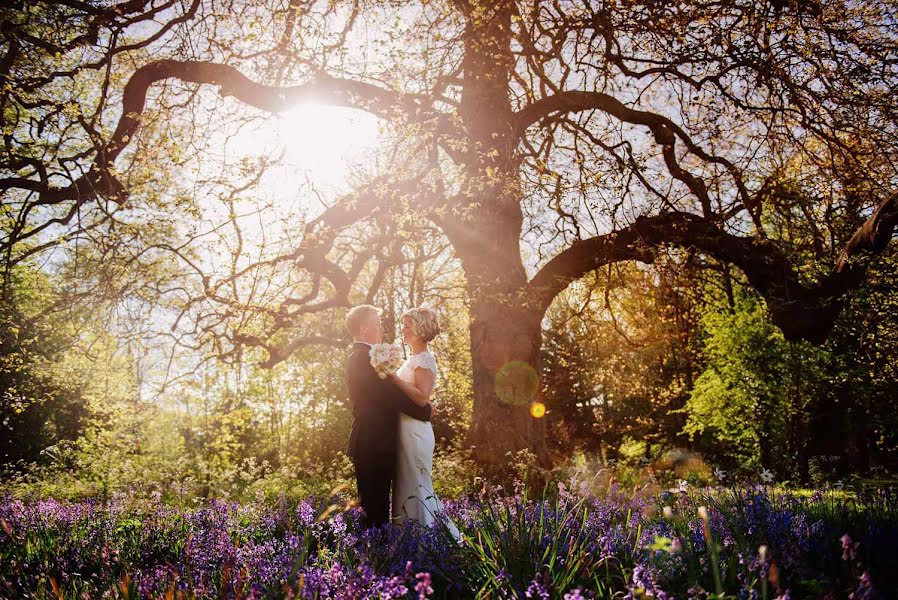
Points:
(664, 131)
(802, 311)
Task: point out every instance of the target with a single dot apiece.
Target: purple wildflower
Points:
(849, 548)
(537, 590)
(643, 584)
(864, 590)
(423, 587)
(306, 514)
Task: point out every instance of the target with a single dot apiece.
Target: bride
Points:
(413, 496)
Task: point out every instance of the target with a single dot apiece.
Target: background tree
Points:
(42, 403)
(756, 389)
(595, 134)
(619, 357)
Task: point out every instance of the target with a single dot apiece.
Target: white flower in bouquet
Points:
(385, 358)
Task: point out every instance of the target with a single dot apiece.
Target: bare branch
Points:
(665, 132)
(801, 311)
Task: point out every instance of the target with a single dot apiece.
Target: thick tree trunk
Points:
(485, 230)
(505, 345)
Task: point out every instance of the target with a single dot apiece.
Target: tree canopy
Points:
(526, 144)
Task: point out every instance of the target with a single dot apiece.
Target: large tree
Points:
(587, 133)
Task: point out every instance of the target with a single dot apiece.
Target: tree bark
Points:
(485, 231)
(505, 344)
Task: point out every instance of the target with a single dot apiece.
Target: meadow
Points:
(737, 542)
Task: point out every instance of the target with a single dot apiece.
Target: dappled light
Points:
(448, 299)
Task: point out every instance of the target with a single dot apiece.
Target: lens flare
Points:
(537, 410)
(517, 383)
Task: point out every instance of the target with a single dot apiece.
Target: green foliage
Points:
(856, 414)
(454, 471)
(511, 538)
(618, 358)
(42, 390)
(755, 388)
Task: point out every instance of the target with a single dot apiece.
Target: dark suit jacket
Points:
(376, 404)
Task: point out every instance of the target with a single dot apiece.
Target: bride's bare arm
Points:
(420, 391)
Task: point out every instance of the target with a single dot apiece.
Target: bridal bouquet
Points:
(385, 358)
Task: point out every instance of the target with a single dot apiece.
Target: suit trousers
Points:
(374, 479)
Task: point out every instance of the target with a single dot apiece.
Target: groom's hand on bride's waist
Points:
(393, 395)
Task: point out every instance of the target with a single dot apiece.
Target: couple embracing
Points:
(392, 441)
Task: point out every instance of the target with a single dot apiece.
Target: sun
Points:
(328, 142)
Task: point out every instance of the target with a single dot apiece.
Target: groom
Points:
(376, 404)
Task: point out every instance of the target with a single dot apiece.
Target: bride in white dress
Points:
(413, 496)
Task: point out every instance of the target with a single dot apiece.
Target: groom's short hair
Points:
(357, 315)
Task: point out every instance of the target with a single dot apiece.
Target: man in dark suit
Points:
(376, 404)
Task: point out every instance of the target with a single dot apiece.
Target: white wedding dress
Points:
(413, 496)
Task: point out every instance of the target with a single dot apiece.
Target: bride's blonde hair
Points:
(424, 322)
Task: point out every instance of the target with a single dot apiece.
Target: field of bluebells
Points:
(748, 542)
